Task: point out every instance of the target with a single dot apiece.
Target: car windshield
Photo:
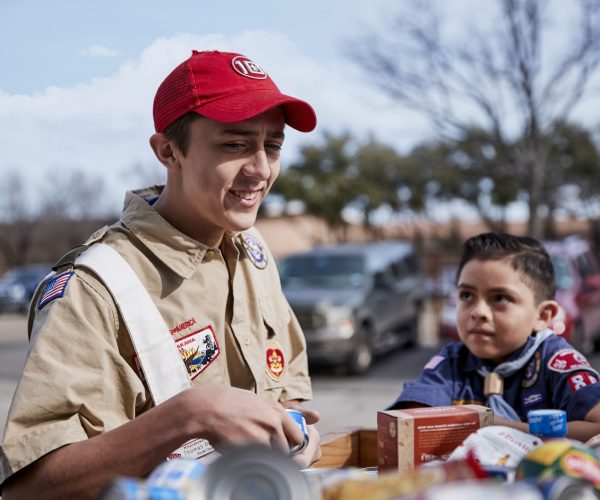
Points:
(327, 271)
(562, 272)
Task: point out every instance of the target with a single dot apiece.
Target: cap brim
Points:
(239, 107)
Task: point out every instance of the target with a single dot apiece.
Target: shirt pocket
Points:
(276, 318)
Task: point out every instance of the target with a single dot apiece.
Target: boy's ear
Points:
(547, 310)
(164, 150)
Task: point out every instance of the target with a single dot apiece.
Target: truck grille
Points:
(310, 320)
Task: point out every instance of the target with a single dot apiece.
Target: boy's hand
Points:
(312, 452)
(521, 426)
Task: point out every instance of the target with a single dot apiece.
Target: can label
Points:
(300, 420)
(547, 423)
(126, 488)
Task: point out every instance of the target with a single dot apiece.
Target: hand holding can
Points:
(298, 417)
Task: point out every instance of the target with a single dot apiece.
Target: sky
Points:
(77, 79)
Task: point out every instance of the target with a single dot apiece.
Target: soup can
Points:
(547, 423)
(301, 421)
(127, 488)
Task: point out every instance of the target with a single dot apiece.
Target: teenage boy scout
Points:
(169, 327)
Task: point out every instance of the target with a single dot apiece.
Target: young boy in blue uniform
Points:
(508, 357)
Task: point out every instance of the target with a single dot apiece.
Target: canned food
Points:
(181, 474)
(567, 488)
(126, 488)
(547, 423)
(255, 472)
(300, 420)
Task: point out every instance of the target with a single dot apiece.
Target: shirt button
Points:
(247, 340)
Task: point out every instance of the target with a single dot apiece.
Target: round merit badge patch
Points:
(275, 360)
(532, 371)
(255, 251)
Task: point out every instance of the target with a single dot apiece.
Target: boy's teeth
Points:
(245, 195)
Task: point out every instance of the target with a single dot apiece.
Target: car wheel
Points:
(583, 345)
(362, 355)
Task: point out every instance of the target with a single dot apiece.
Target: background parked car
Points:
(355, 301)
(18, 284)
(577, 276)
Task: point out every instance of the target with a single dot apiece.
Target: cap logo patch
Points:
(198, 350)
(248, 68)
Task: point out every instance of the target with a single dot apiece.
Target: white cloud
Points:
(99, 51)
(103, 125)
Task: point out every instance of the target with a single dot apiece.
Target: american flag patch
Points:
(55, 288)
(433, 362)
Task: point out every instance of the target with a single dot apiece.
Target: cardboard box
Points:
(407, 438)
(351, 447)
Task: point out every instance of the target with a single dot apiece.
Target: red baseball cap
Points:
(226, 87)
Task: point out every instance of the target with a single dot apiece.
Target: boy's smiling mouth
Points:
(245, 195)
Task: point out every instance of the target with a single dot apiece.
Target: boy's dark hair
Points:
(527, 255)
(179, 131)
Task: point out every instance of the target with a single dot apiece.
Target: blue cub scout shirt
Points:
(557, 377)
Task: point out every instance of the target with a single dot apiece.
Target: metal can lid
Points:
(255, 472)
(547, 423)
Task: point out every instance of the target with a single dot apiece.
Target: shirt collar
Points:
(472, 362)
(177, 251)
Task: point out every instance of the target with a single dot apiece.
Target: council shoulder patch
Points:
(55, 288)
(568, 360)
(198, 350)
(255, 251)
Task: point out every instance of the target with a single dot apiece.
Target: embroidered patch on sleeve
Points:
(55, 288)
(581, 379)
(568, 360)
(434, 362)
(276, 363)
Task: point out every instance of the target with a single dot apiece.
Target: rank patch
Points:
(275, 360)
(255, 251)
(198, 350)
(55, 288)
(568, 360)
(581, 379)
(532, 370)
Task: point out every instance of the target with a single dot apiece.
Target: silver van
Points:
(355, 301)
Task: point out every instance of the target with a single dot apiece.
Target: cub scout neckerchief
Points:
(494, 381)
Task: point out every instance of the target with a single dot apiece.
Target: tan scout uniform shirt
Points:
(229, 318)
